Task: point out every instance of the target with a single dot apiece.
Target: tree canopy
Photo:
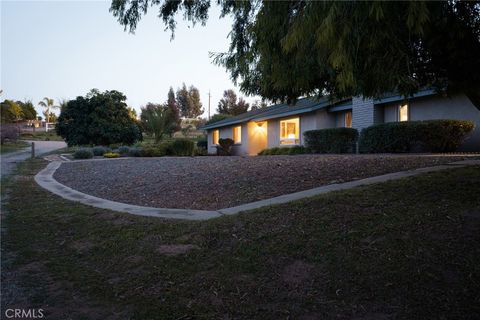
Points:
(230, 105)
(10, 111)
(188, 101)
(283, 50)
(99, 118)
(156, 120)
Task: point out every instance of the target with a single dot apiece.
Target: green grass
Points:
(41, 135)
(406, 249)
(8, 147)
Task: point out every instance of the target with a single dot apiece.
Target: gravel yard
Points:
(219, 182)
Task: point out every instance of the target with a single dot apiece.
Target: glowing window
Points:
(215, 137)
(237, 134)
(290, 131)
(348, 119)
(403, 112)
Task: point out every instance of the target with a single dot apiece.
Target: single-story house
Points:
(283, 124)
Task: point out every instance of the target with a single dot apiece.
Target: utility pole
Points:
(209, 95)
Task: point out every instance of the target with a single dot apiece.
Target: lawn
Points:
(212, 183)
(8, 147)
(406, 249)
(41, 135)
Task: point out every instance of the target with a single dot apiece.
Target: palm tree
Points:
(48, 104)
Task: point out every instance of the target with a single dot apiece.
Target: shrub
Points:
(124, 150)
(9, 132)
(202, 144)
(99, 118)
(297, 150)
(83, 153)
(111, 155)
(335, 140)
(100, 151)
(224, 147)
(135, 152)
(181, 148)
(154, 151)
(415, 136)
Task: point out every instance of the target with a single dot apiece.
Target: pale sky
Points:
(62, 49)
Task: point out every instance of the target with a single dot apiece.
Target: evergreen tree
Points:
(174, 113)
(195, 109)
(229, 104)
(189, 102)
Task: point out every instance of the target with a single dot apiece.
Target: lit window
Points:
(348, 119)
(237, 134)
(403, 112)
(290, 131)
(215, 135)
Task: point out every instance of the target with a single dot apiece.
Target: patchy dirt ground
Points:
(212, 183)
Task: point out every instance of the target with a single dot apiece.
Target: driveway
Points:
(10, 160)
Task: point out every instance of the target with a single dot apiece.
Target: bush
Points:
(83, 153)
(111, 155)
(335, 140)
(297, 150)
(100, 151)
(224, 147)
(99, 118)
(283, 151)
(415, 136)
(202, 144)
(135, 152)
(123, 150)
(154, 151)
(9, 132)
(181, 148)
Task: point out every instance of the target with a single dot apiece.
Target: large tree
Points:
(28, 110)
(283, 50)
(155, 120)
(189, 102)
(11, 112)
(99, 118)
(174, 113)
(230, 105)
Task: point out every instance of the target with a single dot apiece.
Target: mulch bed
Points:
(212, 183)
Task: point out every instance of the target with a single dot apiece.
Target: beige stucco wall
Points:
(252, 142)
(455, 107)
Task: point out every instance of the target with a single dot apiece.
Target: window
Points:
(290, 131)
(348, 119)
(237, 134)
(403, 112)
(215, 137)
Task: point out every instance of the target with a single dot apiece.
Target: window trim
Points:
(217, 137)
(296, 141)
(239, 142)
(399, 118)
(345, 119)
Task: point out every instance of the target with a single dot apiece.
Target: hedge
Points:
(415, 136)
(335, 140)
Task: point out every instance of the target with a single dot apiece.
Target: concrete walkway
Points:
(45, 179)
(9, 160)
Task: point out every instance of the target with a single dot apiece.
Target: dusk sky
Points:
(62, 49)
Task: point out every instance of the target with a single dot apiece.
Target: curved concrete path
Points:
(45, 179)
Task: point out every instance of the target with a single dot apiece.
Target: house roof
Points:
(280, 110)
(304, 105)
